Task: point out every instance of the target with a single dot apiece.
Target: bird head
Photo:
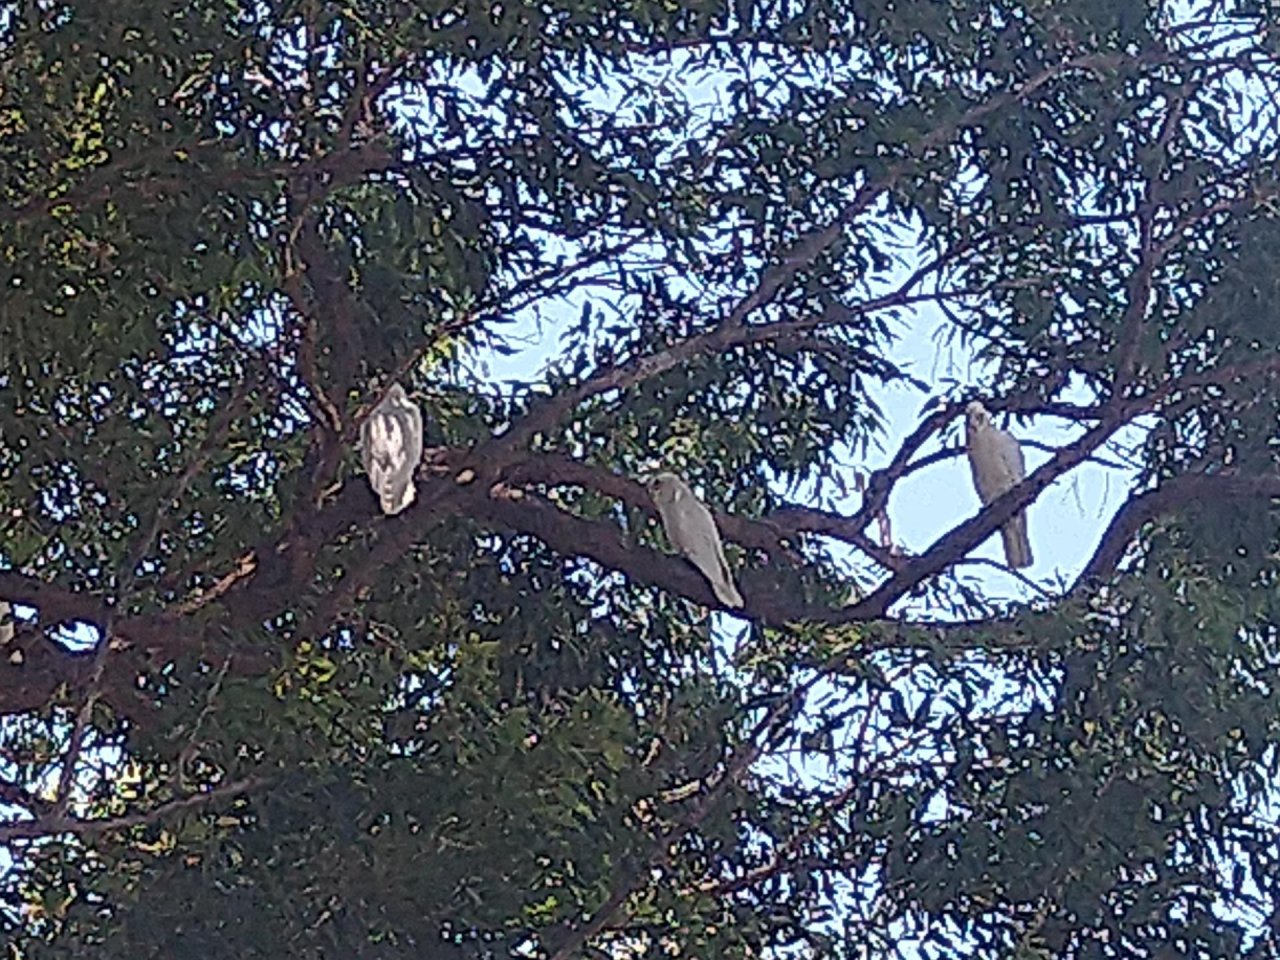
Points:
(664, 487)
(395, 398)
(976, 416)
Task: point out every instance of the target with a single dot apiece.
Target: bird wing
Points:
(1008, 453)
(700, 540)
(983, 463)
(692, 530)
(385, 453)
(692, 523)
(995, 457)
(706, 551)
(391, 449)
(409, 420)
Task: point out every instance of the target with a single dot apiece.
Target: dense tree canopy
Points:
(245, 714)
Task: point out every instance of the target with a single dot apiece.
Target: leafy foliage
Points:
(245, 715)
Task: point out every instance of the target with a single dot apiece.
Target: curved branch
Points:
(1168, 497)
(597, 540)
(768, 533)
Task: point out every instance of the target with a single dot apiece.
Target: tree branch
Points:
(61, 824)
(775, 721)
(1169, 496)
(950, 547)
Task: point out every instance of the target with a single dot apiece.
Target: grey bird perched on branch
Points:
(995, 457)
(391, 448)
(692, 530)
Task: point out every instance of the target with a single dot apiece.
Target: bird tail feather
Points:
(728, 594)
(396, 497)
(1017, 545)
(724, 588)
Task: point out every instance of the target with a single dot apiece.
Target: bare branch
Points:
(59, 824)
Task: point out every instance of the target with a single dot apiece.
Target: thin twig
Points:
(762, 737)
(125, 580)
(62, 824)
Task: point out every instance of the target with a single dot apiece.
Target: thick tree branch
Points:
(796, 519)
(600, 541)
(57, 606)
(770, 533)
(1169, 496)
(950, 547)
(45, 668)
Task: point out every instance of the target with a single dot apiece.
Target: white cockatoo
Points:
(692, 530)
(995, 457)
(391, 448)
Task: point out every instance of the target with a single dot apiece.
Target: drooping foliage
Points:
(246, 715)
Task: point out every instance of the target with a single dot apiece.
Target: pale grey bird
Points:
(391, 448)
(7, 630)
(995, 457)
(692, 530)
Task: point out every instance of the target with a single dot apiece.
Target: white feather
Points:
(997, 464)
(391, 449)
(692, 530)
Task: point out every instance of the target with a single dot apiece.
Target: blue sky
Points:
(1065, 523)
(1067, 520)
